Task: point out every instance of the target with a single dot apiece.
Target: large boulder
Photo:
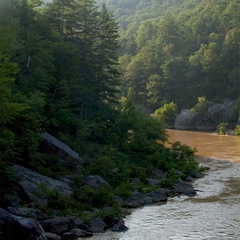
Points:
(188, 120)
(80, 233)
(52, 145)
(182, 187)
(205, 121)
(97, 225)
(95, 182)
(27, 212)
(15, 227)
(118, 225)
(57, 225)
(30, 183)
(135, 200)
(218, 113)
(157, 196)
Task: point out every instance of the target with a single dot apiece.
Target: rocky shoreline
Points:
(31, 223)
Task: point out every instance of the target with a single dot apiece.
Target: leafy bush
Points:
(221, 128)
(201, 106)
(237, 130)
(167, 113)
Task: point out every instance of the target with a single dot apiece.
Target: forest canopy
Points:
(177, 51)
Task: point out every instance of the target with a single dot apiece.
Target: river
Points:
(214, 214)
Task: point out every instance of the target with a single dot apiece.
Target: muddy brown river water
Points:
(214, 214)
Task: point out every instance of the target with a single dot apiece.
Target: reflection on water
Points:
(214, 214)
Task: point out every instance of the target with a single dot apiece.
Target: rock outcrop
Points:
(15, 227)
(138, 199)
(95, 181)
(188, 120)
(30, 183)
(67, 157)
(209, 120)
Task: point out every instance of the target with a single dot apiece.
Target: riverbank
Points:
(80, 203)
(191, 218)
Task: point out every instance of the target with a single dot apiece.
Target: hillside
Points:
(177, 51)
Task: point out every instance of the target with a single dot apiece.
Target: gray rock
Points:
(135, 200)
(27, 212)
(218, 113)
(196, 174)
(182, 187)
(157, 196)
(119, 226)
(119, 200)
(81, 233)
(97, 225)
(52, 145)
(74, 222)
(157, 173)
(52, 236)
(30, 181)
(15, 227)
(188, 120)
(148, 200)
(56, 225)
(69, 236)
(209, 120)
(154, 181)
(95, 181)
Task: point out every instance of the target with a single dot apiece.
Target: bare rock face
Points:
(218, 113)
(95, 181)
(15, 227)
(52, 145)
(97, 225)
(188, 120)
(57, 225)
(30, 183)
(209, 120)
(27, 212)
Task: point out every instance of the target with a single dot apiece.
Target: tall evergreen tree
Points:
(107, 73)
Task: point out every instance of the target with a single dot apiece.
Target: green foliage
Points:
(201, 106)
(167, 113)
(94, 198)
(176, 55)
(221, 128)
(237, 130)
(48, 165)
(54, 202)
(109, 214)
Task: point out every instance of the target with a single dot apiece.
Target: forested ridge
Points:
(177, 51)
(67, 69)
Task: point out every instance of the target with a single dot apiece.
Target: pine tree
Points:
(107, 75)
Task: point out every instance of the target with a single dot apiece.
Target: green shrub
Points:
(237, 130)
(221, 128)
(167, 113)
(201, 106)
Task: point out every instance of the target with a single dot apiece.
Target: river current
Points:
(213, 214)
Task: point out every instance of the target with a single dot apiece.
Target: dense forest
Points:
(177, 51)
(83, 74)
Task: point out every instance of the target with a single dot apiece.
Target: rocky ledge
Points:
(207, 120)
(33, 224)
